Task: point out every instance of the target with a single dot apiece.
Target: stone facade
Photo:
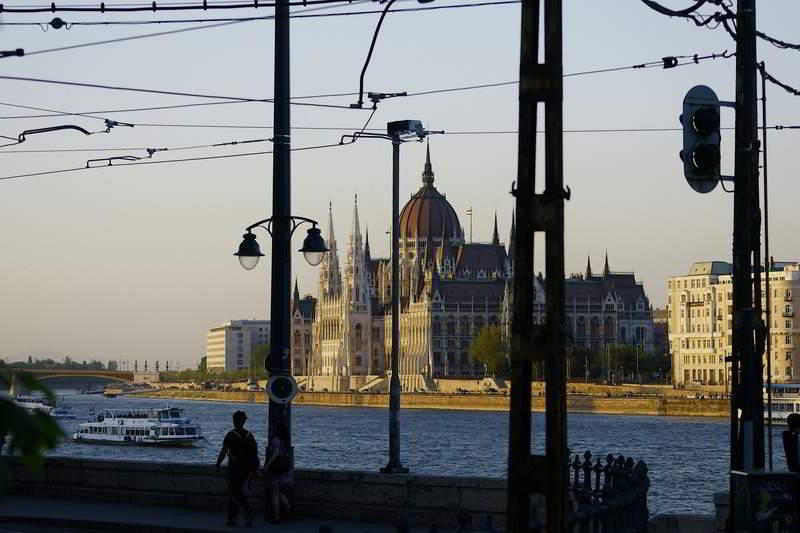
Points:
(699, 313)
(449, 290)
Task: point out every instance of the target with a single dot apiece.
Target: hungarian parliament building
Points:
(449, 290)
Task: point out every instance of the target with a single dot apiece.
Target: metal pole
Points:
(767, 259)
(395, 466)
(746, 169)
(522, 352)
(281, 208)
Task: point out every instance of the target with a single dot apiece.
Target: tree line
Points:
(66, 364)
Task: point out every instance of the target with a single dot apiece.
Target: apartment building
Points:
(700, 323)
(229, 346)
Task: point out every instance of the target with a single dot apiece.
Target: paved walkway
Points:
(46, 515)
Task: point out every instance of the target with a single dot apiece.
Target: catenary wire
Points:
(171, 32)
(160, 91)
(154, 7)
(231, 100)
(299, 15)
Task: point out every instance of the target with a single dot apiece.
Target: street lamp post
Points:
(397, 132)
(280, 228)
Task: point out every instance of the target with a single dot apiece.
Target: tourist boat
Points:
(33, 405)
(785, 401)
(158, 427)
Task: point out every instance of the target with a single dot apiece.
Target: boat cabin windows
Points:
(190, 431)
(171, 413)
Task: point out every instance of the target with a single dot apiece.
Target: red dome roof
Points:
(428, 213)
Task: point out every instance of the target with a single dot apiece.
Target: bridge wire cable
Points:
(300, 15)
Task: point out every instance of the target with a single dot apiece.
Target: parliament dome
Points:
(428, 213)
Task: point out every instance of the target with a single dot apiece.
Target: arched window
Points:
(594, 327)
(622, 334)
(478, 325)
(437, 326)
(358, 332)
(451, 326)
(464, 326)
(581, 327)
(609, 327)
(569, 324)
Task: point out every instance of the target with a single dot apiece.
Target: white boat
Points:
(157, 427)
(33, 405)
(785, 401)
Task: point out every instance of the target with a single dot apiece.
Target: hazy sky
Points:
(136, 263)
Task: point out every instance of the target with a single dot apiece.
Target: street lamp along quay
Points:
(397, 132)
(313, 245)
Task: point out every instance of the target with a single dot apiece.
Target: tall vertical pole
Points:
(281, 209)
(555, 356)
(519, 446)
(749, 396)
(395, 466)
(767, 260)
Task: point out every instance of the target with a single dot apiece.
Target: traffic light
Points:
(701, 138)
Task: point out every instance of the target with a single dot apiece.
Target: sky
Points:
(136, 263)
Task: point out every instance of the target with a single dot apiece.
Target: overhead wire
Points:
(160, 91)
(300, 15)
(154, 7)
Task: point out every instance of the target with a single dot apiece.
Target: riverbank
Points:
(654, 405)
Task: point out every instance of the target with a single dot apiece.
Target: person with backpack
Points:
(242, 451)
(279, 471)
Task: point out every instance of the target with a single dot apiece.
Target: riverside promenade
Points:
(631, 404)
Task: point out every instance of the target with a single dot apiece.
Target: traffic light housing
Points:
(701, 138)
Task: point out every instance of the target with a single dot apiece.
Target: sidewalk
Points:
(69, 515)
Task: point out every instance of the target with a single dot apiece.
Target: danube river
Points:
(687, 457)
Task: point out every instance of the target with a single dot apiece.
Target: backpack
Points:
(245, 455)
(281, 464)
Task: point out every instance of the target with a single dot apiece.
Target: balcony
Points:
(787, 298)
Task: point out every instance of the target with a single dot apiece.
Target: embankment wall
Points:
(367, 496)
(664, 406)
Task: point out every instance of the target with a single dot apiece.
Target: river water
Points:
(687, 457)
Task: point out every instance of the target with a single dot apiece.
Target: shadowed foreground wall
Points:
(422, 500)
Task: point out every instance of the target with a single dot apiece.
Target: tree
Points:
(489, 348)
(203, 366)
(30, 361)
(257, 358)
(111, 365)
(29, 433)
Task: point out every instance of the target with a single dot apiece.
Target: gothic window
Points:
(622, 333)
(437, 326)
(581, 327)
(451, 326)
(609, 327)
(296, 339)
(464, 326)
(594, 327)
(437, 358)
(296, 364)
(478, 325)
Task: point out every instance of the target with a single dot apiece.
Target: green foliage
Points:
(50, 364)
(489, 348)
(257, 359)
(203, 366)
(28, 434)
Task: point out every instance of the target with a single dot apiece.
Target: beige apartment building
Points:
(700, 322)
(229, 346)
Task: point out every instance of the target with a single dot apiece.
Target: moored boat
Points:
(785, 401)
(157, 427)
